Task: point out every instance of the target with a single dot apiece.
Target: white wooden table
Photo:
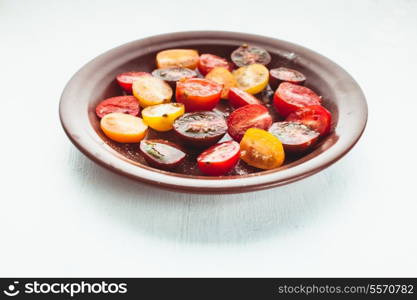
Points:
(62, 215)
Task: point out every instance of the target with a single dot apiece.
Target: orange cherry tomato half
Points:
(121, 104)
(248, 116)
(219, 159)
(208, 62)
(239, 98)
(125, 80)
(123, 128)
(222, 76)
(261, 149)
(316, 117)
(198, 94)
(289, 97)
(183, 58)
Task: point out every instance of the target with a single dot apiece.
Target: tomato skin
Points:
(315, 116)
(248, 116)
(294, 136)
(198, 94)
(261, 149)
(239, 98)
(121, 104)
(125, 80)
(219, 159)
(208, 62)
(289, 97)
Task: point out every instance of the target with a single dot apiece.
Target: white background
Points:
(61, 215)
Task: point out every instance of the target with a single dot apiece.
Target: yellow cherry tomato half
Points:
(261, 149)
(123, 128)
(184, 58)
(161, 117)
(222, 76)
(252, 78)
(150, 90)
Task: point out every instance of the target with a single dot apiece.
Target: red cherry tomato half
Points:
(248, 116)
(239, 98)
(125, 80)
(316, 117)
(289, 97)
(208, 62)
(198, 94)
(121, 104)
(219, 159)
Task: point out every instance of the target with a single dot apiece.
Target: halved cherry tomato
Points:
(239, 98)
(173, 74)
(200, 129)
(125, 80)
(219, 159)
(150, 90)
(246, 55)
(121, 104)
(161, 117)
(294, 136)
(208, 62)
(248, 116)
(316, 117)
(261, 149)
(198, 94)
(289, 97)
(183, 58)
(252, 79)
(278, 75)
(222, 76)
(162, 154)
(123, 128)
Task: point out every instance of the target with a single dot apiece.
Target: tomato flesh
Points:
(208, 62)
(219, 159)
(173, 74)
(294, 136)
(289, 97)
(249, 116)
(125, 80)
(198, 94)
(246, 55)
(239, 98)
(121, 104)
(316, 117)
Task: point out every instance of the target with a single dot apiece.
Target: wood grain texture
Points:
(62, 215)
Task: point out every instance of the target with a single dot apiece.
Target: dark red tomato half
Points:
(121, 104)
(162, 154)
(294, 136)
(219, 159)
(198, 94)
(278, 75)
(125, 80)
(239, 98)
(289, 97)
(173, 74)
(247, 54)
(200, 129)
(316, 117)
(208, 62)
(248, 116)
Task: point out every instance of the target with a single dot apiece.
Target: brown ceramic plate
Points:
(96, 81)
